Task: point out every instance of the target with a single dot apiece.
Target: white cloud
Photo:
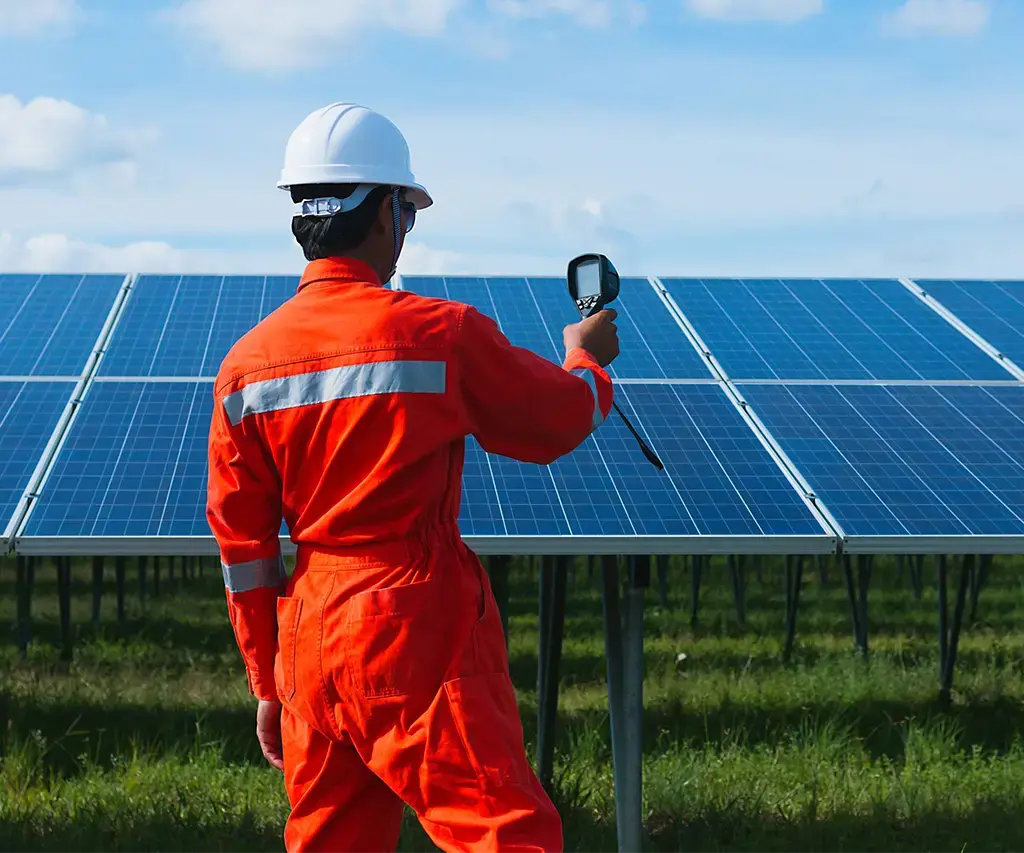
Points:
(29, 17)
(589, 13)
(937, 17)
(61, 253)
(782, 11)
(275, 35)
(278, 36)
(46, 139)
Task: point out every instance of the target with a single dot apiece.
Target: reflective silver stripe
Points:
(241, 577)
(584, 373)
(351, 380)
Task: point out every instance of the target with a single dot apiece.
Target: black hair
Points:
(332, 236)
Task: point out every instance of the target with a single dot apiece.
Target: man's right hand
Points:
(596, 334)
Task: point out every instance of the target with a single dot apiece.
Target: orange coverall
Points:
(345, 413)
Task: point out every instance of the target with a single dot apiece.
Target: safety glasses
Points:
(408, 214)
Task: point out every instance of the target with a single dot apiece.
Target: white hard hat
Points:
(350, 144)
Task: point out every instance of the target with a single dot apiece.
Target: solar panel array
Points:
(793, 416)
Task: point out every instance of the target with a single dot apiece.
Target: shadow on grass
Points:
(102, 733)
(879, 727)
(989, 826)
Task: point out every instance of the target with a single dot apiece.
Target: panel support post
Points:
(980, 578)
(696, 569)
(917, 575)
(952, 641)
(97, 589)
(857, 595)
(738, 571)
(119, 572)
(25, 571)
(142, 580)
(156, 577)
(631, 815)
(663, 580)
(616, 694)
(64, 596)
(794, 581)
(498, 570)
(555, 578)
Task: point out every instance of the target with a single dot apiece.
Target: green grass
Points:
(145, 741)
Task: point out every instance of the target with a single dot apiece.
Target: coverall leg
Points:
(393, 657)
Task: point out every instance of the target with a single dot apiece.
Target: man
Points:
(380, 666)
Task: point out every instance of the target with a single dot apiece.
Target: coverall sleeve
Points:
(522, 405)
(244, 512)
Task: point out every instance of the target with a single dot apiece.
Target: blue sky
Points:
(687, 137)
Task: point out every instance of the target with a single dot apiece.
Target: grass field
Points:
(145, 742)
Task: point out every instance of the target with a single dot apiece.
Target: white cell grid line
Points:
(828, 521)
(862, 411)
(958, 457)
(59, 436)
(971, 334)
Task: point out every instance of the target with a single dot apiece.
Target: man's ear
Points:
(384, 221)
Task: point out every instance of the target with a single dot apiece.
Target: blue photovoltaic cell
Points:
(905, 460)
(134, 464)
(532, 313)
(29, 413)
(719, 480)
(993, 309)
(826, 329)
(49, 324)
(185, 325)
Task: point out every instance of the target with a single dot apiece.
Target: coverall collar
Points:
(340, 270)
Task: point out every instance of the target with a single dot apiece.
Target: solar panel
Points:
(134, 467)
(827, 329)
(29, 414)
(49, 324)
(905, 460)
(533, 311)
(993, 309)
(184, 325)
(134, 464)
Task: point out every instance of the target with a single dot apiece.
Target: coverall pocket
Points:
(288, 611)
(486, 717)
(395, 640)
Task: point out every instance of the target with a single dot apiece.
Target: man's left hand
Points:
(268, 732)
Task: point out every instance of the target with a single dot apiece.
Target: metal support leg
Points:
(25, 569)
(142, 580)
(97, 588)
(794, 581)
(851, 596)
(119, 570)
(823, 570)
(557, 570)
(857, 595)
(156, 577)
(738, 573)
(544, 591)
(631, 814)
(943, 614)
(864, 566)
(64, 597)
(949, 664)
(917, 575)
(900, 566)
(980, 579)
(498, 571)
(697, 566)
(663, 580)
(614, 667)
